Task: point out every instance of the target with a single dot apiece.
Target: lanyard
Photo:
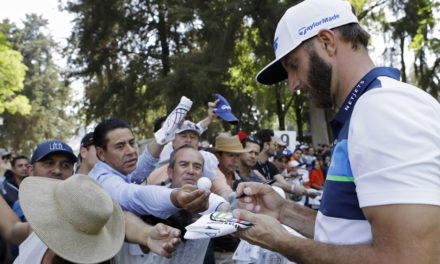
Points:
(362, 86)
(264, 167)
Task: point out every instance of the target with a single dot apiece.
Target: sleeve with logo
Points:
(394, 146)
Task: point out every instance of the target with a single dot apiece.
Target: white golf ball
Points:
(204, 183)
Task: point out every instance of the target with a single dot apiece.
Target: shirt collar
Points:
(361, 87)
(102, 167)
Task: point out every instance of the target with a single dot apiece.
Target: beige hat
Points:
(76, 218)
(229, 144)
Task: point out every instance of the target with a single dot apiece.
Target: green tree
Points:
(409, 26)
(49, 95)
(12, 72)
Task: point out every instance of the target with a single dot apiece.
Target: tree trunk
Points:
(318, 125)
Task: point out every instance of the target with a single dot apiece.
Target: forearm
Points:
(307, 251)
(18, 233)
(11, 228)
(298, 217)
(155, 148)
(136, 230)
(302, 250)
(220, 186)
(141, 199)
(147, 163)
(282, 183)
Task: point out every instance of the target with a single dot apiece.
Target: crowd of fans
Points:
(154, 198)
(125, 206)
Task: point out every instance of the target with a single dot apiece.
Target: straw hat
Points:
(229, 144)
(76, 218)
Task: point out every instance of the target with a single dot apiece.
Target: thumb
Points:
(243, 215)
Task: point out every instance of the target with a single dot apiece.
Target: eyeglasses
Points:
(253, 140)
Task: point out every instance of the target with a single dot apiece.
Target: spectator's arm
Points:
(147, 163)
(289, 188)
(160, 239)
(211, 115)
(220, 186)
(139, 199)
(11, 228)
(259, 175)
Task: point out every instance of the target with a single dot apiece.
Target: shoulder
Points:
(393, 145)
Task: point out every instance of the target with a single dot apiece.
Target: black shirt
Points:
(268, 169)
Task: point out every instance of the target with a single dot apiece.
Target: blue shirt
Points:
(139, 199)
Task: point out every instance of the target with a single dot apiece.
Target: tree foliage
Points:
(12, 72)
(138, 57)
(48, 94)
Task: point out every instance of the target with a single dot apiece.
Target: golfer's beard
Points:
(319, 79)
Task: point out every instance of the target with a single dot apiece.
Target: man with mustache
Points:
(117, 158)
(378, 205)
(227, 149)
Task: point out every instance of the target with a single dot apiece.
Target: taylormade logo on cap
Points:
(303, 31)
(300, 23)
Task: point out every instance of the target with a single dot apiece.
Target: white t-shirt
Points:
(394, 151)
(31, 250)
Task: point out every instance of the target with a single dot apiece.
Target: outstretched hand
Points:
(265, 231)
(173, 121)
(211, 107)
(162, 240)
(260, 198)
(191, 199)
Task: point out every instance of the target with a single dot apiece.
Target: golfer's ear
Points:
(327, 41)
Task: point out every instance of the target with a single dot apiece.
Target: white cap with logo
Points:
(302, 22)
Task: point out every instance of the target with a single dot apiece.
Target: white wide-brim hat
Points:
(76, 218)
(300, 23)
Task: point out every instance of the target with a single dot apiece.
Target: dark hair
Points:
(87, 140)
(158, 123)
(17, 158)
(314, 162)
(252, 139)
(355, 34)
(100, 134)
(265, 135)
(173, 154)
(352, 32)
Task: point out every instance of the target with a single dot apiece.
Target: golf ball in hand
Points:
(204, 184)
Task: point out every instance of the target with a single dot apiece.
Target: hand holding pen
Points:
(269, 182)
(260, 198)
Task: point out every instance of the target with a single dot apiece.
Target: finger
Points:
(240, 187)
(197, 201)
(196, 194)
(174, 232)
(243, 215)
(252, 207)
(199, 205)
(213, 104)
(189, 187)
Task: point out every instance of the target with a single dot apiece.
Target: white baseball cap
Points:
(302, 22)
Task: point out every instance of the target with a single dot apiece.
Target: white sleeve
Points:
(215, 201)
(394, 147)
(210, 165)
(140, 199)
